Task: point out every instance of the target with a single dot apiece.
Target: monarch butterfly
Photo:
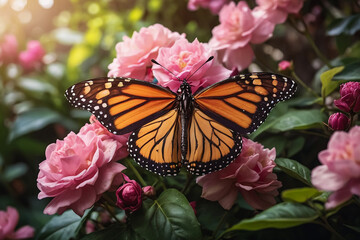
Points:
(200, 131)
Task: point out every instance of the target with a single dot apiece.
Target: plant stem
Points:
(328, 227)
(106, 206)
(297, 79)
(220, 223)
(137, 174)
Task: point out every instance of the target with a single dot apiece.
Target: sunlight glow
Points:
(18, 5)
(46, 3)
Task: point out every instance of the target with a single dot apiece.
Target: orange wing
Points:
(121, 104)
(211, 146)
(243, 102)
(156, 145)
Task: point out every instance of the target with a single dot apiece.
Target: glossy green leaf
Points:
(299, 195)
(351, 72)
(33, 120)
(328, 86)
(63, 227)
(283, 215)
(348, 25)
(168, 217)
(114, 232)
(299, 119)
(294, 169)
(14, 171)
(295, 145)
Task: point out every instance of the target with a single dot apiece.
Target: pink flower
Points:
(239, 27)
(149, 191)
(250, 175)
(277, 10)
(338, 121)
(8, 222)
(31, 58)
(340, 172)
(104, 134)
(183, 59)
(80, 168)
(350, 97)
(9, 49)
(214, 5)
(129, 195)
(133, 58)
(285, 65)
(193, 205)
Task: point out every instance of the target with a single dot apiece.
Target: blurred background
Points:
(47, 45)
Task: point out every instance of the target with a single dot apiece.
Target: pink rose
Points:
(350, 97)
(129, 195)
(133, 55)
(340, 172)
(277, 10)
(239, 27)
(183, 59)
(31, 58)
(214, 5)
(103, 133)
(8, 222)
(250, 175)
(8, 49)
(80, 168)
(338, 121)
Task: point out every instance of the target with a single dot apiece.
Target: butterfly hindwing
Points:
(121, 104)
(211, 146)
(243, 102)
(156, 145)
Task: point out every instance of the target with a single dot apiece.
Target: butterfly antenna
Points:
(154, 61)
(209, 59)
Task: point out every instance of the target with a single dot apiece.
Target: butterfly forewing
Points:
(156, 145)
(243, 102)
(211, 146)
(121, 104)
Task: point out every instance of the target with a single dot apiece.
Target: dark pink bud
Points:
(129, 195)
(339, 121)
(349, 97)
(193, 205)
(149, 191)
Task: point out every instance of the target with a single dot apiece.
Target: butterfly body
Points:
(200, 131)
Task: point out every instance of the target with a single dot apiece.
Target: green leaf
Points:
(114, 232)
(168, 217)
(275, 141)
(299, 119)
(294, 169)
(33, 120)
(348, 25)
(351, 72)
(299, 195)
(283, 215)
(65, 226)
(294, 146)
(14, 171)
(329, 86)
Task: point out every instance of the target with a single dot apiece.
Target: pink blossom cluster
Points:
(8, 221)
(340, 169)
(29, 59)
(80, 168)
(174, 52)
(249, 175)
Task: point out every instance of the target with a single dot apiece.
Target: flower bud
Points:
(9, 49)
(339, 121)
(349, 97)
(285, 65)
(129, 195)
(149, 191)
(193, 205)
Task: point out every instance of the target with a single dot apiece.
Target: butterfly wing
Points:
(121, 104)
(243, 102)
(156, 145)
(211, 145)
